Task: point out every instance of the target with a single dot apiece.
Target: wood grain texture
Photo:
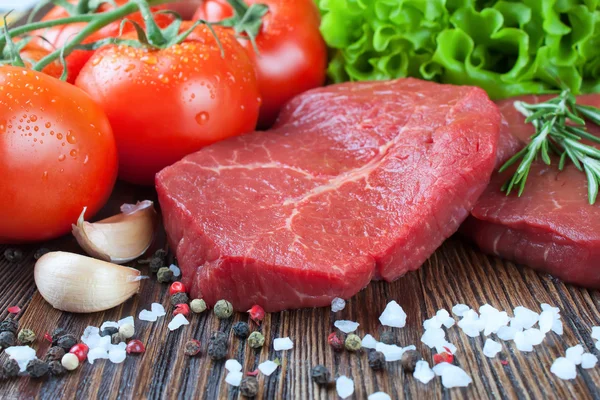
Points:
(456, 273)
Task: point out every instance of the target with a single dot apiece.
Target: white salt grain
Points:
(233, 365)
(369, 342)
(283, 344)
(491, 348)
(267, 367)
(97, 353)
(564, 368)
(548, 307)
(346, 326)
(524, 317)
(379, 396)
(393, 315)
(89, 331)
(125, 321)
(588, 361)
(533, 336)
(546, 321)
(522, 343)
(452, 376)
(234, 378)
(344, 386)
(471, 324)
(158, 309)
(117, 347)
(91, 339)
(557, 327)
(391, 352)
(433, 336)
(117, 356)
(507, 332)
(177, 322)
(21, 354)
(337, 304)
(445, 346)
(596, 332)
(175, 270)
(423, 373)
(146, 315)
(432, 323)
(460, 309)
(574, 354)
(109, 324)
(597, 345)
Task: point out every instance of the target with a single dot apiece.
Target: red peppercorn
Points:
(81, 351)
(182, 309)
(335, 341)
(47, 337)
(135, 346)
(176, 287)
(257, 313)
(442, 358)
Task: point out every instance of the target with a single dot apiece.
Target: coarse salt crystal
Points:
(21, 354)
(432, 323)
(460, 309)
(158, 309)
(597, 345)
(488, 309)
(548, 307)
(422, 372)
(97, 353)
(533, 336)
(393, 315)
(470, 324)
(117, 347)
(175, 270)
(234, 378)
(391, 352)
(432, 336)
(346, 326)
(369, 342)
(444, 346)
(177, 322)
(507, 332)
(283, 344)
(91, 340)
(379, 396)
(522, 343)
(524, 317)
(557, 327)
(596, 332)
(267, 367)
(344, 386)
(109, 324)
(337, 304)
(588, 360)
(574, 354)
(493, 322)
(117, 356)
(90, 330)
(126, 320)
(452, 376)
(564, 368)
(146, 315)
(491, 348)
(232, 365)
(546, 321)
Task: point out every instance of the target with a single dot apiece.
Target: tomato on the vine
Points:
(57, 155)
(292, 54)
(32, 53)
(166, 103)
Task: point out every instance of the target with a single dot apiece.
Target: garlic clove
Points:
(76, 283)
(120, 238)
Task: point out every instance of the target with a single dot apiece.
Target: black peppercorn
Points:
(67, 341)
(249, 386)
(218, 335)
(241, 329)
(40, 252)
(320, 374)
(10, 368)
(57, 334)
(376, 360)
(7, 339)
(387, 337)
(192, 348)
(56, 368)
(409, 360)
(9, 325)
(179, 298)
(13, 255)
(55, 353)
(37, 368)
(156, 263)
(217, 346)
(109, 331)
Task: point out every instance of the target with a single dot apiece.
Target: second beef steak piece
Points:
(357, 181)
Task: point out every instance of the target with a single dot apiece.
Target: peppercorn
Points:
(66, 341)
(127, 331)
(409, 360)
(37, 368)
(117, 338)
(353, 342)
(40, 252)
(176, 287)
(376, 360)
(179, 298)
(257, 313)
(336, 341)
(217, 349)
(387, 337)
(11, 368)
(249, 386)
(135, 346)
(70, 361)
(241, 329)
(7, 339)
(55, 353)
(320, 375)
(164, 275)
(156, 263)
(26, 336)
(223, 309)
(13, 255)
(198, 306)
(56, 368)
(183, 309)
(218, 335)
(109, 331)
(57, 334)
(81, 350)
(9, 325)
(192, 348)
(256, 340)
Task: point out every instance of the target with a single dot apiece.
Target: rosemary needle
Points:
(552, 133)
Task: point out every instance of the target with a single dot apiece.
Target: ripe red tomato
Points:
(32, 53)
(57, 155)
(165, 104)
(58, 36)
(293, 55)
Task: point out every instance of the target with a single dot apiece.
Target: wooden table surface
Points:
(456, 273)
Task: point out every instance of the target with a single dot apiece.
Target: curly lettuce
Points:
(506, 47)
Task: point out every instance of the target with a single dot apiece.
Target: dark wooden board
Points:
(456, 273)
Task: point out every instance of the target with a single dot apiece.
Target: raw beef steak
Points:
(551, 227)
(357, 181)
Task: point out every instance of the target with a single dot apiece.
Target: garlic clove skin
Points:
(120, 238)
(75, 283)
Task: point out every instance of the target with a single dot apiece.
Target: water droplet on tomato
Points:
(48, 125)
(59, 136)
(61, 157)
(96, 60)
(202, 118)
(45, 175)
(71, 138)
(33, 118)
(2, 126)
(87, 158)
(73, 153)
(163, 78)
(130, 67)
(151, 60)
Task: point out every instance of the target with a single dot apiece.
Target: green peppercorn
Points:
(179, 298)
(256, 340)
(353, 342)
(13, 255)
(55, 354)
(7, 339)
(37, 368)
(376, 360)
(9, 325)
(320, 374)
(223, 309)
(56, 368)
(249, 386)
(26, 336)
(164, 275)
(241, 329)
(11, 368)
(198, 306)
(387, 337)
(409, 360)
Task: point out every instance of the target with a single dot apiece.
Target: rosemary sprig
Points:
(552, 133)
